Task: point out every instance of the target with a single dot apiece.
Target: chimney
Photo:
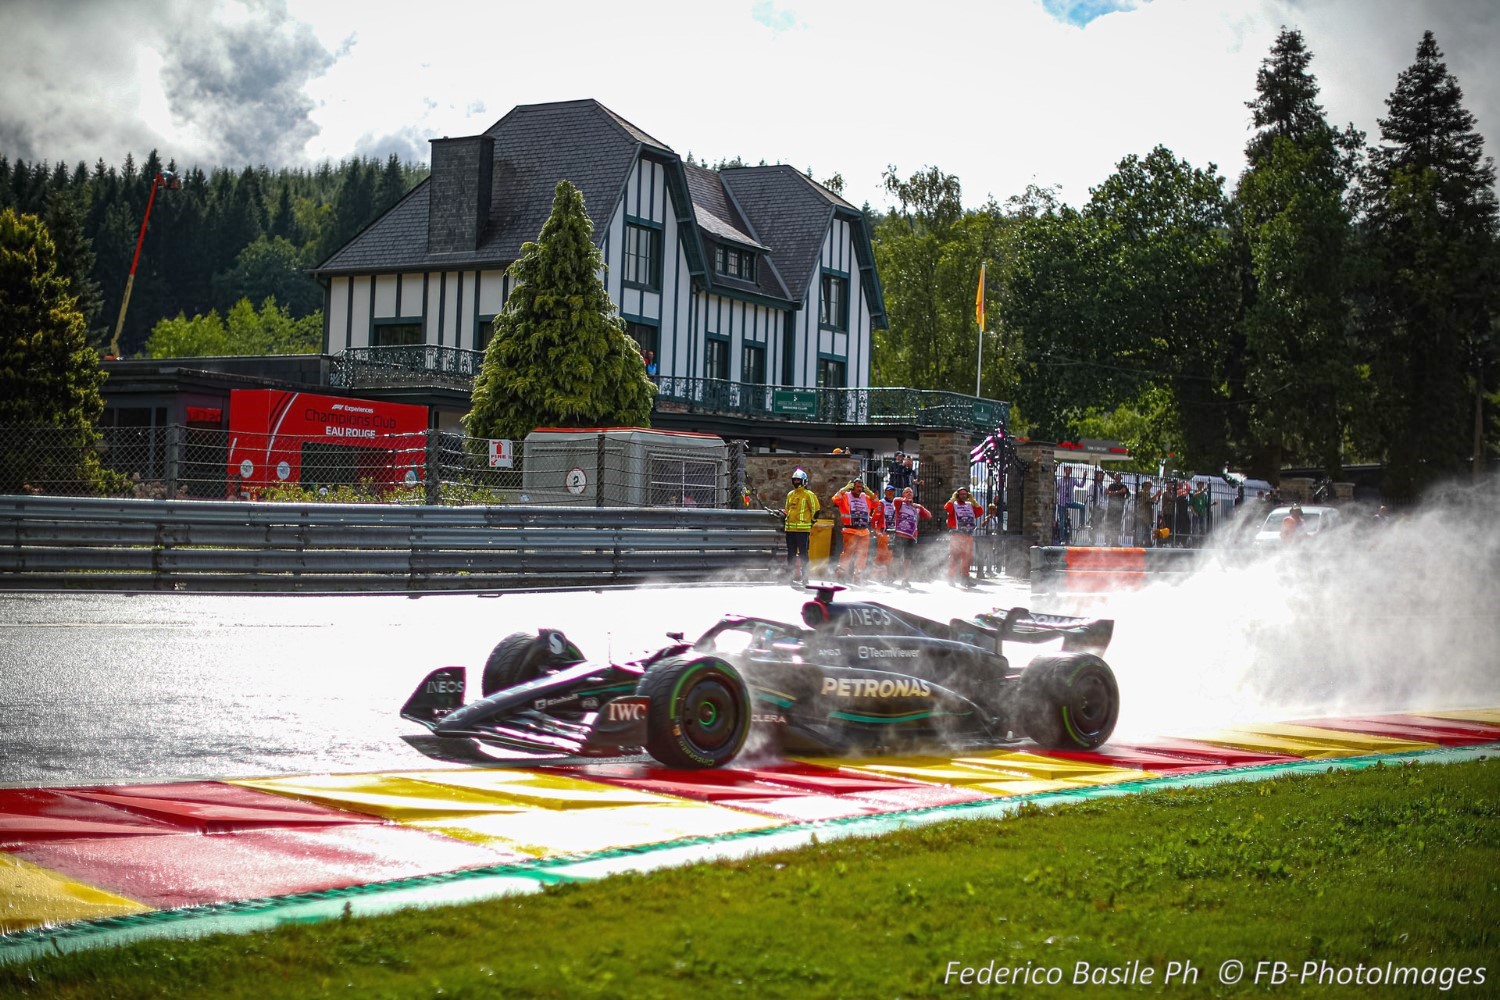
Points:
(458, 203)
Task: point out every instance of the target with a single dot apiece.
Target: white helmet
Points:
(799, 477)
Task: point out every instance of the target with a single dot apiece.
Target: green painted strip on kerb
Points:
(474, 884)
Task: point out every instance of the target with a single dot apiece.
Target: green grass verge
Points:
(1347, 870)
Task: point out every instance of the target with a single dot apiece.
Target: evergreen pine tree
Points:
(1286, 102)
(1302, 386)
(392, 185)
(559, 356)
(50, 378)
(1430, 228)
(75, 261)
(284, 222)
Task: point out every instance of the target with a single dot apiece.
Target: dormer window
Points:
(642, 257)
(736, 263)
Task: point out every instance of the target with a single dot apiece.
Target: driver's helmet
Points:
(799, 477)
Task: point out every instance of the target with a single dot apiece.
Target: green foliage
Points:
(270, 268)
(1387, 864)
(367, 492)
(1302, 386)
(1430, 291)
(1136, 291)
(192, 260)
(75, 259)
(928, 253)
(245, 331)
(1145, 426)
(559, 356)
(50, 377)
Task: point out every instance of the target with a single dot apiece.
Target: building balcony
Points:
(425, 365)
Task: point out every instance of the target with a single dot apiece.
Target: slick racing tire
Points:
(699, 714)
(1069, 702)
(525, 656)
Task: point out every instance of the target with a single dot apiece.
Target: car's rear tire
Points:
(1069, 702)
(524, 656)
(699, 714)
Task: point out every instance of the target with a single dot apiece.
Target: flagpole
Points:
(979, 368)
(979, 317)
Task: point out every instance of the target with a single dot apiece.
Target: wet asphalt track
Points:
(101, 687)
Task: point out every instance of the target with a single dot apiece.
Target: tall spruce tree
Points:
(1301, 387)
(1430, 229)
(559, 356)
(75, 260)
(50, 378)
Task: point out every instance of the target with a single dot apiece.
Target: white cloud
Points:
(1003, 94)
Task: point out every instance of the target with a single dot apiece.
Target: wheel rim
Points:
(1089, 706)
(709, 714)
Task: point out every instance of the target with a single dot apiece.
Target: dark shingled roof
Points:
(791, 214)
(722, 222)
(775, 210)
(535, 146)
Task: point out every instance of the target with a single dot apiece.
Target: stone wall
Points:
(769, 477)
(1039, 505)
(944, 458)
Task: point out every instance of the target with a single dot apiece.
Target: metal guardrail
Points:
(62, 543)
(426, 364)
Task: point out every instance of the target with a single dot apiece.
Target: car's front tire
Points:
(524, 656)
(699, 714)
(1069, 702)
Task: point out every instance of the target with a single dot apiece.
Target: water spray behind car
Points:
(1379, 616)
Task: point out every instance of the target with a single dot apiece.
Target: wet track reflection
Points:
(103, 687)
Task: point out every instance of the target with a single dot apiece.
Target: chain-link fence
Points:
(584, 468)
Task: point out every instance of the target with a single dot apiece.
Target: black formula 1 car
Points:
(854, 677)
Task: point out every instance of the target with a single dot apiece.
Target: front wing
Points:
(609, 718)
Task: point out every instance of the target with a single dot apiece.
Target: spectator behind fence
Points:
(987, 554)
(1145, 514)
(1202, 505)
(1182, 515)
(1065, 503)
(1115, 494)
(899, 473)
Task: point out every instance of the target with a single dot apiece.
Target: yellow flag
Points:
(979, 300)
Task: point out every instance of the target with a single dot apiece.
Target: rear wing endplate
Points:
(1078, 635)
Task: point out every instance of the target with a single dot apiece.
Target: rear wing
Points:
(1078, 635)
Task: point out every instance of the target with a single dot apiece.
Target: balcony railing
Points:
(413, 365)
(873, 405)
(386, 367)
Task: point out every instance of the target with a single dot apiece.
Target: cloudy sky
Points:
(1003, 93)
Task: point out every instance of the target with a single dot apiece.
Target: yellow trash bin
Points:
(817, 545)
